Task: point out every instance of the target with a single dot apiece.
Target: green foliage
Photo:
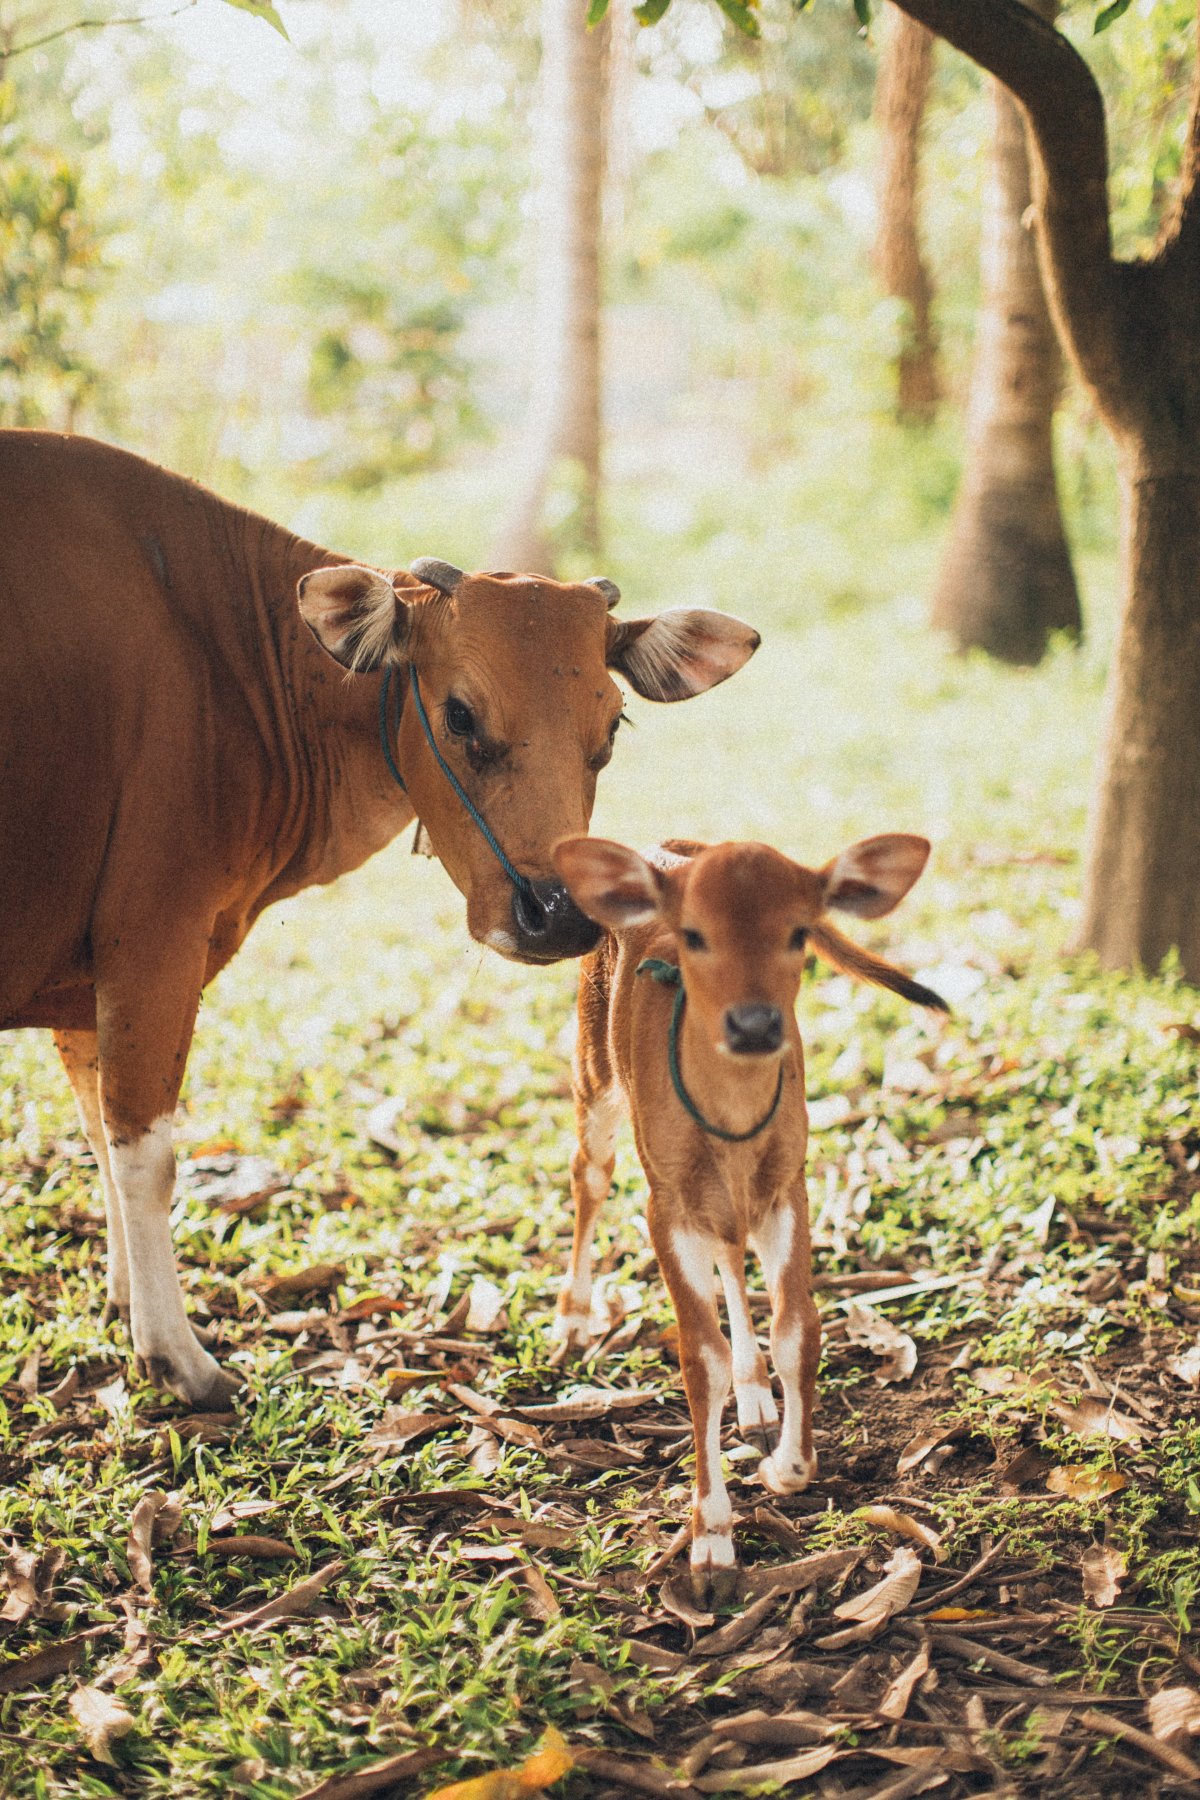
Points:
(50, 267)
(261, 9)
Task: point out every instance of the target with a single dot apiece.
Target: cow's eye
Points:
(695, 940)
(460, 720)
(798, 938)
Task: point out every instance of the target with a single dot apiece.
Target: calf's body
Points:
(179, 748)
(714, 1084)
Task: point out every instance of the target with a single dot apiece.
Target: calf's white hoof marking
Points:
(785, 1476)
(756, 1408)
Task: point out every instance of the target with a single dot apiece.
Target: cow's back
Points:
(111, 573)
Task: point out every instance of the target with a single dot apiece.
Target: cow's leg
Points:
(591, 1173)
(686, 1258)
(144, 1024)
(782, 1242)
(756, 1410)
(81, 1061)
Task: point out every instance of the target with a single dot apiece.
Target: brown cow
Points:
(178, 749)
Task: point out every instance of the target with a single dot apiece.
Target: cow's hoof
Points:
(206, 1385)
(115, 1309)
(788, 1477)
(714, 1584)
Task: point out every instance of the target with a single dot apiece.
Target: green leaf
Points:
(862, 12)
(742, 15)
(596, 11)
(262, 9)
(650, 11)
(1108, 15)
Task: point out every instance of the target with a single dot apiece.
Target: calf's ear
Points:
(872, 876)
(611, 884)
(680, 653)
(356, 615)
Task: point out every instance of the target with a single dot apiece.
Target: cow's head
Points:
(516, 678)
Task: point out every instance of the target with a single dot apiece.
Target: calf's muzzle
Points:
(549, 925)
(753, 1029)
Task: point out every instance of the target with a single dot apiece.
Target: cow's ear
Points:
(873, 876)
(680, 653)
(356, 614)
(611, 884)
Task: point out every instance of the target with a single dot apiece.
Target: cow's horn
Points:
(441, 575)
(609, 589)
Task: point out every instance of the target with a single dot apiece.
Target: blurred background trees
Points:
(308, 273)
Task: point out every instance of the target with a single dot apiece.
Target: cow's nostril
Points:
(549, 924)
(753, 1028)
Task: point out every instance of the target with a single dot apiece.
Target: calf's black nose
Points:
(753, 1029)
(549, 924)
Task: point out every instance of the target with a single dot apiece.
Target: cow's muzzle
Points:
(753, 1029)
(549, 924)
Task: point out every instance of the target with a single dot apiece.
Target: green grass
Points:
(1050, 1081)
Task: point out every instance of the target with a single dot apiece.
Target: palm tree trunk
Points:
(1006, 580)
(563, 468)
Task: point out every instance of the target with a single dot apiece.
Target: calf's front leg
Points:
(686, 1258)
(785, 1250)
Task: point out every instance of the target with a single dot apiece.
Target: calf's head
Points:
(515, 673)
(744, 918)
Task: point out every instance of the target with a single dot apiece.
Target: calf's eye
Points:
(798, 938)
(694, 940)
(460, 720)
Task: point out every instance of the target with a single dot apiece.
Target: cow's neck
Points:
(343, 803)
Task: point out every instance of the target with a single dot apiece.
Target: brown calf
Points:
(687, 1007)
(179, 748)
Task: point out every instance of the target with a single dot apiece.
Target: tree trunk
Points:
(901, 91)
(1142, 883)
(562, 476)
(1133, 332)
(1006, 581)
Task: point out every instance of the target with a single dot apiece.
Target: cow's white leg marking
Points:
(591, 1173)
(795, 1345)
(756, 1409)
(80, 1059)
(143, 1169)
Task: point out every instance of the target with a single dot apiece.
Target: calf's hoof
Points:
(570, 1334)
(714, 1584)
(786, 1477)
(114, 1309)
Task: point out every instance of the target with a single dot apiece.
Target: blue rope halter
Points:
(668, 974)
(521, 882)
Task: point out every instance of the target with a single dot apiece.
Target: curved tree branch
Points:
(90, 25)
(1064, 111)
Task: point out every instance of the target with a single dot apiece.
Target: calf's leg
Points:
(81, 1060)
(756, 1410)
(596, 1116)
(686, 1259)
(783, 1245)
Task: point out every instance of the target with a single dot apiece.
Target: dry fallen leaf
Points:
(251, 1546)
(896, 1349)
(540, 1602)
(809, 1571)
(895, 1701)
(549, 1763)
(100, 1719)
(1079, 1482)
(1186, 1367)
(292, 1605)
(902, 1524)
(871, 1610)
(371, 1778)
(318, 1278)
(589, 1403)
(923, 1445)
(1175, 1714)
(738, 1630)
(485, 1305)
(48, 1660)
(398, 1427)
(751, 1777)
(29, 1577)
(1088, 1417)
(156, 1519)
(1104, 1568)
